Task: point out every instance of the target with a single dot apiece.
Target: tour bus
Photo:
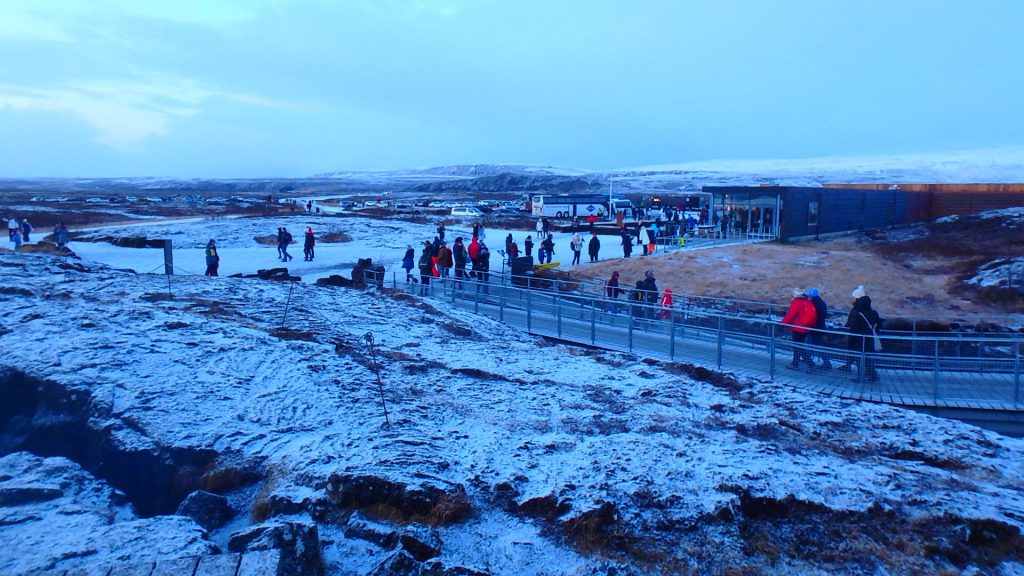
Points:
(573, 205)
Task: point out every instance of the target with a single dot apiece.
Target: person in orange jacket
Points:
(801, 317)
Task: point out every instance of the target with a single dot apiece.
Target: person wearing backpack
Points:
(212, 258)
(800, 318)
(863, 323)
(459, 257)
(576, 245)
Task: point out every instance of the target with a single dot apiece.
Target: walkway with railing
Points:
(978, 372)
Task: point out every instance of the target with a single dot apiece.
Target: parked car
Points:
(466, 211)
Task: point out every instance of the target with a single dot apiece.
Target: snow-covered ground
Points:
(385, 241)
(543, 438)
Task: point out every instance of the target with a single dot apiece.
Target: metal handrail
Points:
(981, 370)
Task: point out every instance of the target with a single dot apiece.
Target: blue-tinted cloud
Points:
(317, 85)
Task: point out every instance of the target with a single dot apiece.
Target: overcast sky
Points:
(207, 88)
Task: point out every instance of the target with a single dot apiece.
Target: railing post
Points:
(632, 310)
(935, 374)
(721, 339)
(1016, 373)
(593, 321)
(771, 351)
(558, 312)
(501, 302)
(529, 312)
(671, 335)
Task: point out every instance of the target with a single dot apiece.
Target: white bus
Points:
(573, 205)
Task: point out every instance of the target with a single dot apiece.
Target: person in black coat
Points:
(460, 257)
(651, 293)
(528, 245)
(482, 267)
(627, 243)
(862, 323)
(593, 247)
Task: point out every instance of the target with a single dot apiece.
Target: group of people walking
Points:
(437, 260)
(806, 318)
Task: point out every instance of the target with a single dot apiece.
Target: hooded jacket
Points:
(801, 315)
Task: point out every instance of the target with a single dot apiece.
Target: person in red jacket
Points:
(474, 251)
(800, 318)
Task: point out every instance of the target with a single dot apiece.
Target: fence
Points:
(926, 369)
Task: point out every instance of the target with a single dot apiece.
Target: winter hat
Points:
(615, 274)
(813, 292)
(797, 292)
(859, 292)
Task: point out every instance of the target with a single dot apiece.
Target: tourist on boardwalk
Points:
(863, 323)
(408, 264)
(641, 238)
(440, 231)
(637, 299)
(594, 247)
(547, 227)
(426, 267)
(26, 229)
(308, 244)
(459, 256)
(540, 228)
(815, 338)
(444, 259)
(482, 267)
(650, 287)
(576, 244)
(612, 291)
(800, 316)
(473, 250)
(627, 244)
(528, 245)
(549, 247)
(61, 235)
(665, 313)
(212, 258)
(575, 223)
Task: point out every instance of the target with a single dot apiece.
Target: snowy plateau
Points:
(501, 453)
(198, 425)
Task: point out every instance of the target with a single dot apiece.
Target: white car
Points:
(466, 211)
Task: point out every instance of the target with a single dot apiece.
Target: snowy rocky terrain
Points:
(505, 453)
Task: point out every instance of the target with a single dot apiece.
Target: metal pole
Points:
(632, 311)
(529, 313)
(291, 286)
(593, 322)
(721, 339)
(771, 351)
(671, 335)
(935, 375)
(1016, 373)
(376, 370)
(501, 303)
(558, 312)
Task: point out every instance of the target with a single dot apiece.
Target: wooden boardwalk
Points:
(935, 384)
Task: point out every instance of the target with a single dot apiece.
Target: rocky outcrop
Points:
(425, 502)
(299, 543)
(209, 510)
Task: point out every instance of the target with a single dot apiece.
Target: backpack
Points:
(287, 237)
